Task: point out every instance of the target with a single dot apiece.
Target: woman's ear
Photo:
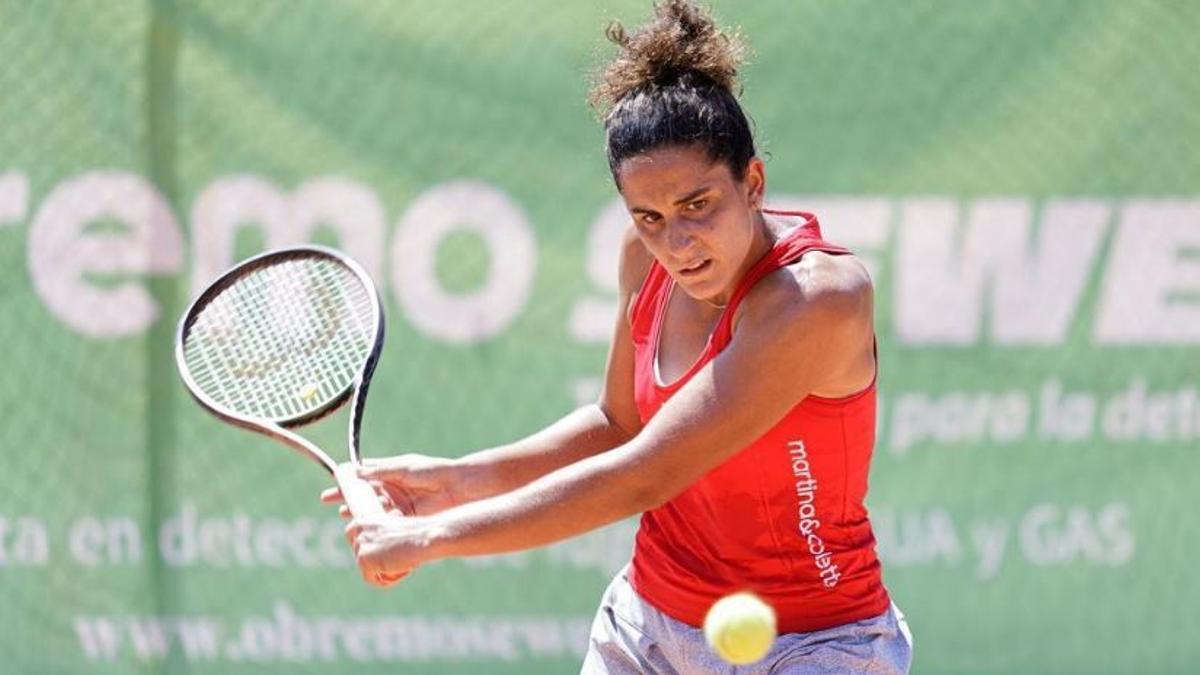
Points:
(755, 180)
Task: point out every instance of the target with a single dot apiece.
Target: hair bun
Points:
(680, 42)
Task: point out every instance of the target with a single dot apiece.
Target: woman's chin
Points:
(707, 291)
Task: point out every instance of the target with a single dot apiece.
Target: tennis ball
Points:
(740, 628)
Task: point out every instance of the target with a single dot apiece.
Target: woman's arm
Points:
(612, 421)
(810, 326)
(422, 485)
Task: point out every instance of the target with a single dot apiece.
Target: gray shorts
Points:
(631, 636)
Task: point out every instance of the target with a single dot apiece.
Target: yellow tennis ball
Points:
(740, 628)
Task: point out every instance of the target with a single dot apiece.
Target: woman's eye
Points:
(649, 218)
(697, 205)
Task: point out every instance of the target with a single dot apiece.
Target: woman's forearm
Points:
(577, 498)
(582, 433)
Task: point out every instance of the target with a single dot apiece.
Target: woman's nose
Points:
(679, 239)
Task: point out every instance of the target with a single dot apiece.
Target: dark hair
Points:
(673, 84)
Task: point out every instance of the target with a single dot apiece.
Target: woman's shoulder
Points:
(635, 259)
(820, 274)
(635, 263)
(819, 309)
(818, 285)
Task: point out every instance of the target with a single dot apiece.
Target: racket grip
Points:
(358, 493)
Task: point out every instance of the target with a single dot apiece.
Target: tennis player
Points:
(737, 413)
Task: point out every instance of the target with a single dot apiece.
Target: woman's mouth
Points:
(696, 268)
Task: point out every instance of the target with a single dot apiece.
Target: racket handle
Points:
(358, 493)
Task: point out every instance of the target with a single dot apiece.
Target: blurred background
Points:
(1022, 177)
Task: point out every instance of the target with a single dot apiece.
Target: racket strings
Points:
(284, 340)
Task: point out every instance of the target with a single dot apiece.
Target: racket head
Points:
(281, 339)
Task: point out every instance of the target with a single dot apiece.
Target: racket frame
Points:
(280, 430)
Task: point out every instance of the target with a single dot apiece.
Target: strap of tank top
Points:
(785, 252)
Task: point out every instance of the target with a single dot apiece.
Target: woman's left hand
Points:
(387, 548)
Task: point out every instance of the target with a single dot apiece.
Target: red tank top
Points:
(784, 517)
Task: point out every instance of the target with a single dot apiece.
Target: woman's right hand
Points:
(415, 484)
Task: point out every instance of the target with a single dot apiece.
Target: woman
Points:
(738, 407)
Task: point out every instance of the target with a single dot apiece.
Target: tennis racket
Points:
(280, 341)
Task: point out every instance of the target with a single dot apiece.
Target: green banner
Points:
(1022, 179)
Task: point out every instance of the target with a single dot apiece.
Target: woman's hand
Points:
(416, 485)
(387, 548)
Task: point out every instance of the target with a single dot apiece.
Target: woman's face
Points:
(698, 221)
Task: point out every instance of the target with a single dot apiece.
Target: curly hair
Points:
(672, 83)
